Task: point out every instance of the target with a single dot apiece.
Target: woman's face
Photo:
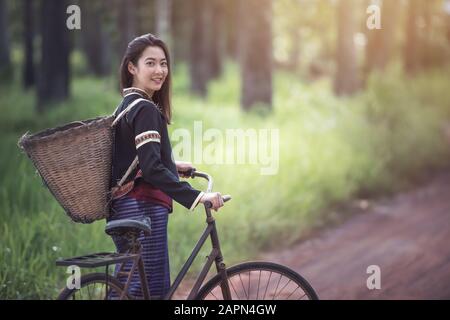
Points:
(151, 70)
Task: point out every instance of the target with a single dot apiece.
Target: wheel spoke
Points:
(302, 296)
(243, 287)
(248, 290)
(80, 292)
(275, 293)
(292, 292)
(89, 292)
(259, 280)
(264, 297)
(232, 285)
(279, 293)
(214, 295)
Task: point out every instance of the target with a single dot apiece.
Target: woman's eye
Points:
(150, 63)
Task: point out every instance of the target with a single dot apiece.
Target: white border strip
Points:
(196, 201)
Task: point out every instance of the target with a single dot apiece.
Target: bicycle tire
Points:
(235, 275)
(92, 279)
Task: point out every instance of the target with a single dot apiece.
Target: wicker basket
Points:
(74, 161)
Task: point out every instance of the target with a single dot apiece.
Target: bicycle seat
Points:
(126, 225)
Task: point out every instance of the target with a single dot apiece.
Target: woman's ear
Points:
(131, 68)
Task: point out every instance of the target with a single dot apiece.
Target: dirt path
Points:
(407, 236)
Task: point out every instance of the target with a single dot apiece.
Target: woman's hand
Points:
(215, 198)
(182, 167)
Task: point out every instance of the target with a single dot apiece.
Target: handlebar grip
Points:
(225, 198)
(189, 173)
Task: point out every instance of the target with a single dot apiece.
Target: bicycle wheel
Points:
(93, 287)
(259, 281)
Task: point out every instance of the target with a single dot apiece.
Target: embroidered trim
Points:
(129, 94)
(133, 90)
(200, 195)
(147, 136)
(129, 90)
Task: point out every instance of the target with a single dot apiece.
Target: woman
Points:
(151, 186)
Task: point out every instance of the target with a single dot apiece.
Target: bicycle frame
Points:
(214, 256)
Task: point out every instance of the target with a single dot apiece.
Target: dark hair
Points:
(132, 54)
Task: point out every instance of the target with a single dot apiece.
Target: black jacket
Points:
(144, 131)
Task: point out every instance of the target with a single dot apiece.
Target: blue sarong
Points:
(155, 253)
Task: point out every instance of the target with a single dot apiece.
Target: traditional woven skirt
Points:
(155, 252)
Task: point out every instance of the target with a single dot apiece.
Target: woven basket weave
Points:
(74, 161)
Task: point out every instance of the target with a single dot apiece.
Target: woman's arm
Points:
(147, 124)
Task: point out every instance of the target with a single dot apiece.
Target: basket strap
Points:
(124, 112)
(129, 94)
(132, 166)
(135, 162)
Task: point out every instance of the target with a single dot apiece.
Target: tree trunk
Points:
(5, 59)
(346, 80)
(181, 30)
(231, 28)
(255, 53)
(127, 21)
(95, 40)
(412, 45)
(53, 79)
(216, 38)
(381, 41)
(28, 37)
(199, 65)
(426, 53)
(163, 13)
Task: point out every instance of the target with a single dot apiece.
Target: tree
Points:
(411, 55)
(231, 14)
(216, 36)
(200, 48)
(207, 43)
(127, 23)
(255, 53)
(96, 41)
(28, 38)
(346, 80)
(5, 59)
(446, 17)
(181, 25)
(53, 81)
(163, 10)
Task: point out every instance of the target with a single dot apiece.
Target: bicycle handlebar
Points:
(192, 173)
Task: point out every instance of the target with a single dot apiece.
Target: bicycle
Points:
(256, 280)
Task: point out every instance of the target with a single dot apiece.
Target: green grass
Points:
(331, 150)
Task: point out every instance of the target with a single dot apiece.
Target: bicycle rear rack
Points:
(97, 259)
